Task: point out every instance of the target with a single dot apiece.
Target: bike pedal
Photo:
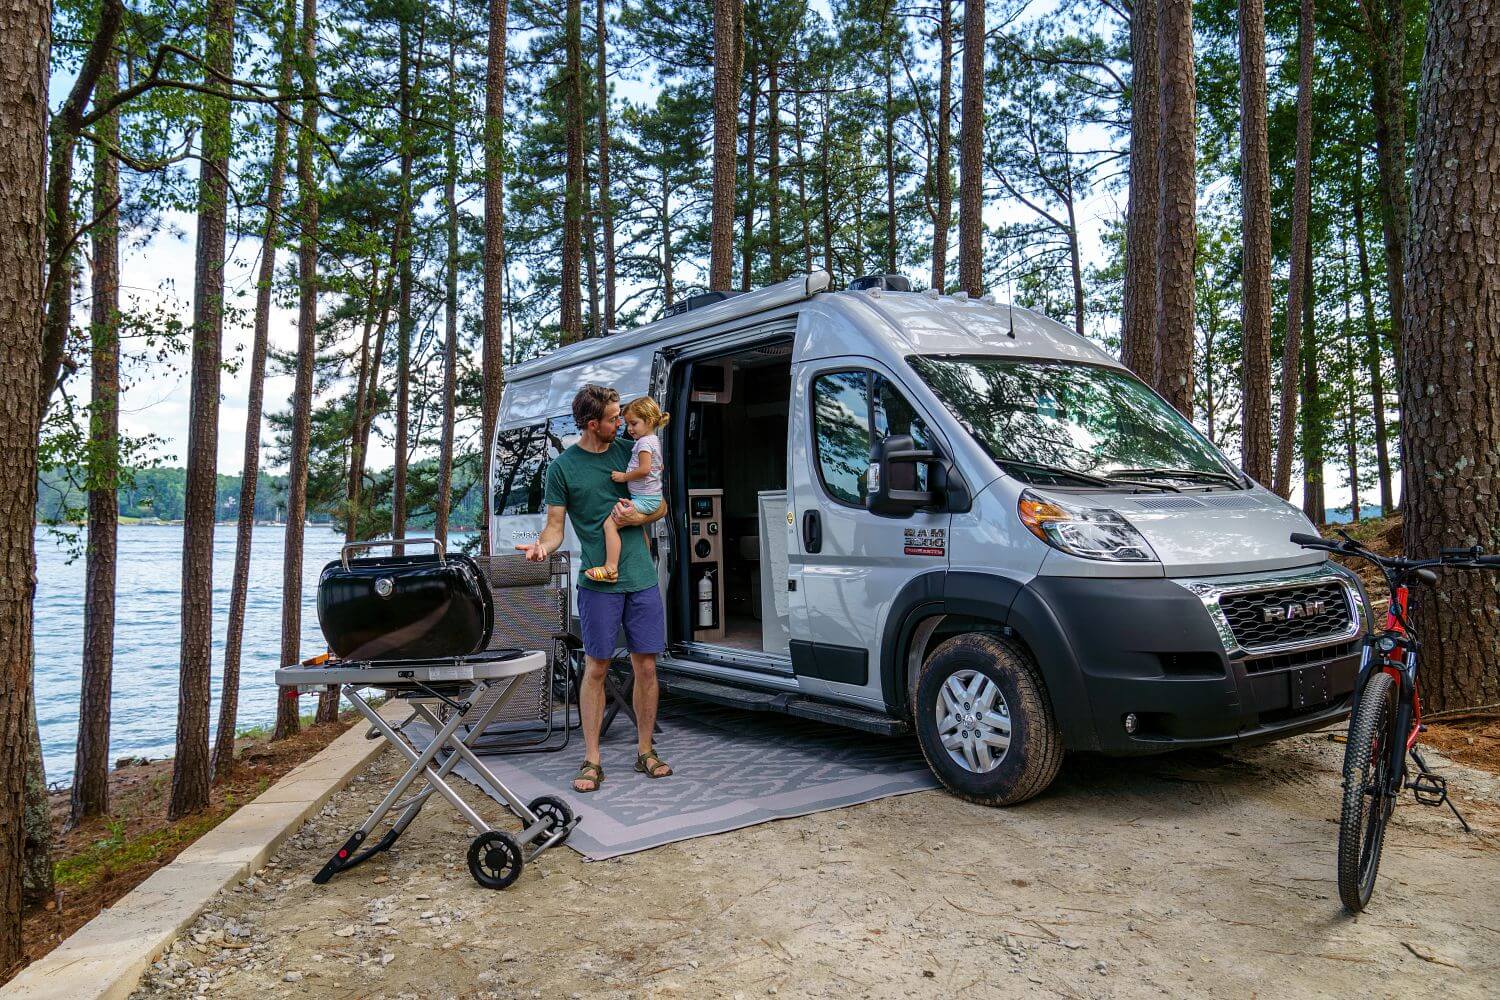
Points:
(1429, 789)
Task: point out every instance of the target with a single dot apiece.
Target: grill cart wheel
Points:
(556, 813)
(495, 859)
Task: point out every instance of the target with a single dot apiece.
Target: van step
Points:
(847, 715)
(722, 694)
(787, 704)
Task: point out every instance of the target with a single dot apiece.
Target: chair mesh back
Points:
(531, 612)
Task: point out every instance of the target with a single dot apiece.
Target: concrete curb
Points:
(105, 958)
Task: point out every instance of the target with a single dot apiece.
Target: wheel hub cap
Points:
(973, 721)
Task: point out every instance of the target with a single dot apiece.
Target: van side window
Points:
(894, 415)
(521, 461)
(562, 433)
(841, 434)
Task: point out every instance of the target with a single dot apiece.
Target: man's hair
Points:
(590, 404)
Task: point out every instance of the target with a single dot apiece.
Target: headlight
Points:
(1088, 532)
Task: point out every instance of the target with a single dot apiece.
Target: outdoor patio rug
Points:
(733, 769)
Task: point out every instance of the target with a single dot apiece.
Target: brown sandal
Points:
(596, 778)
(601, 574)
(649, 762)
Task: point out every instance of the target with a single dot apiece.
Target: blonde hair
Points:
(646, 410)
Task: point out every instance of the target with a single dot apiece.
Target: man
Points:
(579, 485)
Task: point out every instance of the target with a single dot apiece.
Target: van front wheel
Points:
(984, 723)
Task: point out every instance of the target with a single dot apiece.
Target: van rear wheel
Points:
(984, 722)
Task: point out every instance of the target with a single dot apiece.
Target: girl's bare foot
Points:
(603, 574)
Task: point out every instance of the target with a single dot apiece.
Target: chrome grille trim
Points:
(1209, 590)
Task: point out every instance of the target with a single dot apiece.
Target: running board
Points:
(786, 704)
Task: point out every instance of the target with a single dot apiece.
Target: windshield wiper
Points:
(1222, 477)
(1085, 477)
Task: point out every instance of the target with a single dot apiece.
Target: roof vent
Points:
(884, 282)
(697, 302)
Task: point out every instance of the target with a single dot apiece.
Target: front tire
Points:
(1366, 806)
(984, 723)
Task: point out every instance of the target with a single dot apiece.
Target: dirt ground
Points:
(102, 859)
(1197, 874)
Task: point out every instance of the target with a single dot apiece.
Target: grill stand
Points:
(433, 763)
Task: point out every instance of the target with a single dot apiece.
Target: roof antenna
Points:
(1010, 309)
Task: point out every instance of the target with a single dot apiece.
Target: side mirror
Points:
(891, 489)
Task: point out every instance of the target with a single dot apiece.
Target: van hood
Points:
(1219, 533)
(1200, 534)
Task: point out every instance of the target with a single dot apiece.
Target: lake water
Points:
(143, 720)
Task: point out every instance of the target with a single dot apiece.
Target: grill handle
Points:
(390, 542)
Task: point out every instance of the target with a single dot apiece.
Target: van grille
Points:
(1284, 616)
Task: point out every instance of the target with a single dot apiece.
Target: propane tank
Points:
(706, 600)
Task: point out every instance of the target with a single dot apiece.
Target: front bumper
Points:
(1155, 648)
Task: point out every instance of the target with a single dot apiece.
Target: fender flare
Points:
(1008, 604)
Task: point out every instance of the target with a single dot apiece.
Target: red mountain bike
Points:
(1387, 718)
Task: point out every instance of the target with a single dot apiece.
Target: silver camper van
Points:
(911, 512)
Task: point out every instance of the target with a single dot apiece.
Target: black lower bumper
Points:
(1147, 647)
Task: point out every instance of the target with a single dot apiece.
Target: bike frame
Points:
(1401, 664)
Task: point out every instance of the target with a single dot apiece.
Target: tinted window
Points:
(520, 464)
(841, 434)
(894, 415)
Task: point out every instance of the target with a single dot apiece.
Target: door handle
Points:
(812, 532)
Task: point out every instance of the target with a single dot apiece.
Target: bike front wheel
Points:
(1368, 800)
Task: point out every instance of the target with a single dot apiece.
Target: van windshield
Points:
(1061, 422)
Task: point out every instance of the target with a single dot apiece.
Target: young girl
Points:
(643, 418)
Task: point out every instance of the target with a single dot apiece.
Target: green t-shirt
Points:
(579, 480)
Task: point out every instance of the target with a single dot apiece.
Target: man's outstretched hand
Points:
(535, 552)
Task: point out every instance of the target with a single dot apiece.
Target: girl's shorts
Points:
(646, 503)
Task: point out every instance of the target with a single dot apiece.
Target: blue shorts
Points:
(601, 615)
(646, 503)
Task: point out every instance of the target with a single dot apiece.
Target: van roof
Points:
(907, 322)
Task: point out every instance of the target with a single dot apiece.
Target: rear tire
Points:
(984, 722)
(1366, 808)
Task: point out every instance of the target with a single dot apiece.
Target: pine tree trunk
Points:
(1451, 398)
(825, 200)
(591, 258)
(405, 321)
(1255, 304)
(1387, 42)
(887, 29)
(443, 500)
(190, 768)
(971, 155)
(66, 126)
(1351, 397)
(288, 719)
(25, 41)
(1138, 322)
(747, 235)
(668, 285)
(1372, 350)
(944, 168)
(1176, 240)
(354, 474)
(606, 201)
(494, 246)
(1075, 253)
(802, 214)
(1314, 503)
(728, 20)
(90, 794)
(1301, 207)
(773, 162)
(229, 696)
(572, 241)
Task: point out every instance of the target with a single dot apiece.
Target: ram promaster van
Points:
(903, 511)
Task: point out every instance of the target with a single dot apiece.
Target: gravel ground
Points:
(1197, 874)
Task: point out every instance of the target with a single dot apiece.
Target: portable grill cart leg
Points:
(349, 854)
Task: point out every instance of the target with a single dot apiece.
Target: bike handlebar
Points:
(1470, 558)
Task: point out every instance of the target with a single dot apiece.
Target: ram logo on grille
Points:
(1292, 610)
